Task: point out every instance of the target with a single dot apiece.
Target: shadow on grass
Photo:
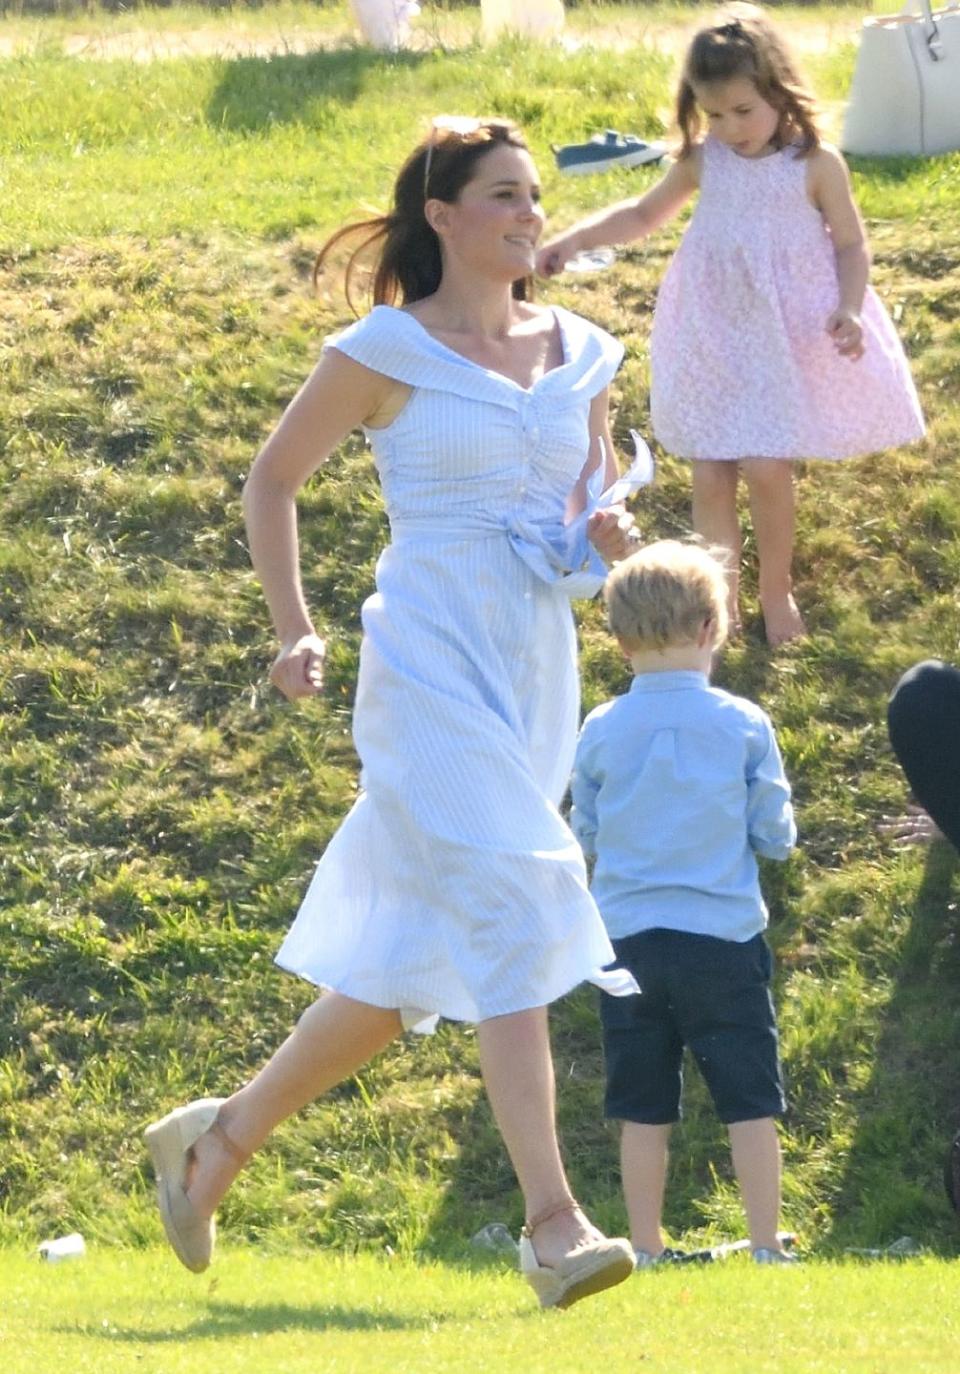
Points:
(908, 1112)
(260, 92)
(227, 1320)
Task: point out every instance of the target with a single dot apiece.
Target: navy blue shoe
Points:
(607, 150)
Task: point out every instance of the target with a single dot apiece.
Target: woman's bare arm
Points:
(339, 395)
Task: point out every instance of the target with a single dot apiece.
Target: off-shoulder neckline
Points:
(462, 358)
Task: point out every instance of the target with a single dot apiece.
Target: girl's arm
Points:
(626, 221)
(339, 395)
(831, 193)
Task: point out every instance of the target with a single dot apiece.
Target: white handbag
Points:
(905, 97)
(530, 18)
(385, 23)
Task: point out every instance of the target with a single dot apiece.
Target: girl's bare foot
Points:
(782, 619)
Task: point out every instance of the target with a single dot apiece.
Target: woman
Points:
(453, 886)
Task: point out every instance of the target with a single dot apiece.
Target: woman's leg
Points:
(715, 520)
(333, 1038)
(772, 505)
(643, 1168)
(518, 1074)
(924, 722)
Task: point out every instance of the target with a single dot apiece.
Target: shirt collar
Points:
(680, 681)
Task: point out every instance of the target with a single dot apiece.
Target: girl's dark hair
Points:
(746, 44)
(407, 264)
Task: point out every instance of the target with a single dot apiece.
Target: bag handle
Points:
(931, 29)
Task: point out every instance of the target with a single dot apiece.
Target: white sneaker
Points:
(763, 1255)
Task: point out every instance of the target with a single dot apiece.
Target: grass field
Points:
(162, 810)
(197, 144)
(324, 1315)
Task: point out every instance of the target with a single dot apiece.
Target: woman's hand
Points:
(297, 669)
(613, 533)
(916, 827)
(846, 331)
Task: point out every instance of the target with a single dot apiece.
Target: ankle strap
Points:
(231, 1146)
(569, 1204)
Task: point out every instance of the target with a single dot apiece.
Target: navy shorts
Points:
(710, 995)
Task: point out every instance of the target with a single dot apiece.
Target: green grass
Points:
(255, 145)
(162, 810)
(113, 1313)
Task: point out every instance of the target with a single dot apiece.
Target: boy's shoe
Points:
(766, 1256)
(607, 150)
(667, 1256)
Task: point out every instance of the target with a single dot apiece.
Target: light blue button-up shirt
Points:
(677, 786)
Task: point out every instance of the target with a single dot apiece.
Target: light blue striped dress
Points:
(454, 886)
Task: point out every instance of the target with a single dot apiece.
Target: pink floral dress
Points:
(741, 364)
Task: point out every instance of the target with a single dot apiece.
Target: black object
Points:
(924, 721)
(951, 1173)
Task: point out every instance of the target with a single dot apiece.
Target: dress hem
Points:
(793, 457)
(618, 982)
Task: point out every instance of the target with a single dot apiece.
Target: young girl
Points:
(768, 344)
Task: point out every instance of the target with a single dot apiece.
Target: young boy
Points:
(677, 786)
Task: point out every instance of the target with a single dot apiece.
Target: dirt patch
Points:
(142, 44)
(145, 45)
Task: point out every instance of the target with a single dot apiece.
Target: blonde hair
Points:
(662, 595)
(744, 43)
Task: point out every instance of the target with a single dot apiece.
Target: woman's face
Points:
(738, 115)
(493, 226)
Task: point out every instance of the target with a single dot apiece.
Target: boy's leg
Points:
(643, 1162)
(772, 505)
(755, 1146)
(728, 1021)
(643, 1056)
(715, 520)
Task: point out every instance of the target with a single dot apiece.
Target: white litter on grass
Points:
(63, 1248)
(902, 1248)
(591, 260)
(495, 1236)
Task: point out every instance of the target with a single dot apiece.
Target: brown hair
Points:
(407, 264)
(662, 595)
(746, 44)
